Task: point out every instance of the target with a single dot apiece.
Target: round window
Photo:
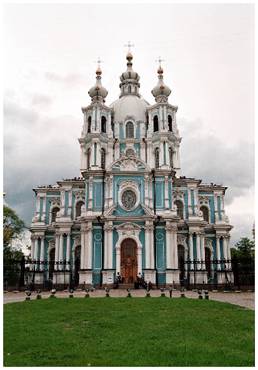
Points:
(128, 199)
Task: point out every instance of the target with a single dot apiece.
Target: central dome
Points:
(130, 106)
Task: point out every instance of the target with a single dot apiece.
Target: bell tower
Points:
(162, 134)
(95, 150)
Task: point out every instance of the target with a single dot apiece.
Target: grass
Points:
(127, 332)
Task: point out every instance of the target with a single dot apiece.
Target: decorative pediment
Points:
(178, 194)
(131, 163)
(208, 243)
(203, 200)
(79, 195)
(55, 202)
(181, 240)
(128, 229)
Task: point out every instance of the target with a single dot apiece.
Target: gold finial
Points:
(98, 71)
(129, 55)
(160, 69)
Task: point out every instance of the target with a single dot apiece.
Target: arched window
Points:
(129, 130)
(54, 213)
(129, 89)
(89, 124)
(205, 213)
(103, 124)
(170, 151)
(155, 123)
(88, 158)
(103, 158)
(156, 158)
(180, 209)
(169, 123)
(78, 210)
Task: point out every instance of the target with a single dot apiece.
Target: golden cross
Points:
(129, 45)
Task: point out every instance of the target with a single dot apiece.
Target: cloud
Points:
(40, 100)
(204, 155)
(38, 150)
(70, 79)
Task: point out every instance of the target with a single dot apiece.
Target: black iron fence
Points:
(213, 274)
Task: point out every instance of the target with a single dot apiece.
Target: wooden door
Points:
(129, 261)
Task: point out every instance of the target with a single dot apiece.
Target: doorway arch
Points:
(129, 264)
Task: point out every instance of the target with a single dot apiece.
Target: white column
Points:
(32, 252)
(170, 247)
(190, 211)
(148, 231)
(57, 241)
(151, 247)
(228, 251)
(191, 249)
(218, 251)
(139, 259)
(161, 154)
(42, 249)
(175, 254)
(106, 246)
(118, 259)
(198, 250)
(61, 250)
(36, 248)
(166, 193)
(110, 247)
(225, 252)
(88, 247)
(83, 247)
(90, 184)
(68, 251)
(202, 246)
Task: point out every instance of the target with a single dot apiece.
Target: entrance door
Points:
(77, 264)
(208, 261)
(129, 261)
(51, 263)
(181, 263)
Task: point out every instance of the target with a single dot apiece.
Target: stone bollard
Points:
(206, 294)
(38, 296)
(170, 291)
(162, 292)
(129, 293)
(28, 294)
(53, 292)
(182, 295)
(199, 294)
(147, 294)
(71, 293)
(107, 292)
(87, 295)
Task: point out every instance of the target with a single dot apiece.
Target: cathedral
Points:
(130, 212)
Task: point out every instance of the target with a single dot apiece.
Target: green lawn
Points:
(127, 332)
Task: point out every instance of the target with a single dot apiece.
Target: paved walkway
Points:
(244, 299)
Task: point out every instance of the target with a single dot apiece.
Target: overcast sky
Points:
(208, 52)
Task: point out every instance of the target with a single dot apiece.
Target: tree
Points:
(244, 249)
(13, 226)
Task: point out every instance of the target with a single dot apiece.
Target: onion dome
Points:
(161, 91)
(98, 93)
(130, 79)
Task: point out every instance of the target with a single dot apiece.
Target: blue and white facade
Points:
(131, 211)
